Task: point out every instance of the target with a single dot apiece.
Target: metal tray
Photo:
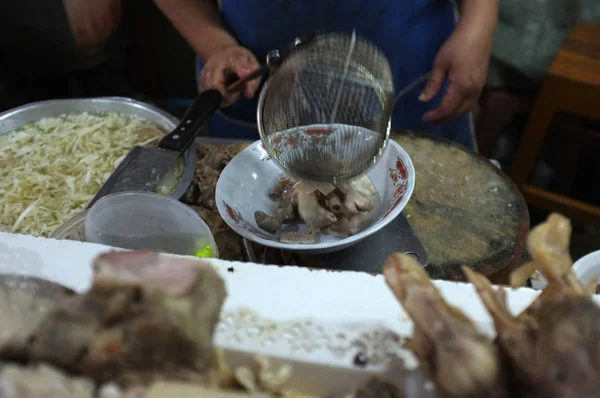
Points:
(35, 111)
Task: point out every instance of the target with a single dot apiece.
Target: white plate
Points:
(33, 112)
(587, 268)
(244, 185)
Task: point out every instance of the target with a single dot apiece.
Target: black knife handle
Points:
(203, 107)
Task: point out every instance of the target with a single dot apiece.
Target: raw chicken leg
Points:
(462, 361)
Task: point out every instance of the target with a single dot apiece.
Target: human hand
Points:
(225, 63)
(464, 61)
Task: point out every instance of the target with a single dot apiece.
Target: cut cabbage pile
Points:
(50, 170)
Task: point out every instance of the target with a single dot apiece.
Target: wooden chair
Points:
(571, 85)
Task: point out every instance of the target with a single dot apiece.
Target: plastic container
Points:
(72, 229)
(144, 220)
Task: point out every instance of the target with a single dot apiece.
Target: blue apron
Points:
(409, 32)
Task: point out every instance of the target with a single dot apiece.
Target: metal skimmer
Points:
(325, 114)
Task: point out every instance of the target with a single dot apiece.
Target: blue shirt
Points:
(409, 32)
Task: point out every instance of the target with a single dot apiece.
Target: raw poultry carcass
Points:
(146, 316)
(553, 347)
(462, 361)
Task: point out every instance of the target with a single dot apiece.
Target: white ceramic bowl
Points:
(587, 268)
(244, 185)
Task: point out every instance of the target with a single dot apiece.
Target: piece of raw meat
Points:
(461, 360)
(295, 237)
(310, 186)
(355, 201)
(24, 302)
(146, 316)
(348, 226)
(268, 223)
(334, 202)
(283, 183)
(286, 197)
(285, 207)
(336, 209)
(42, 381)
(312, 212)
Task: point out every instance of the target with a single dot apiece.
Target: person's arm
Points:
(481, 15)
(463, 60)
(199, 23)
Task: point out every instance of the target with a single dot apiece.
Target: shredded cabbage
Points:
(50, 170)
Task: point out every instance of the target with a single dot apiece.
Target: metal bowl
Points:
(35, 111)
(30, 113)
